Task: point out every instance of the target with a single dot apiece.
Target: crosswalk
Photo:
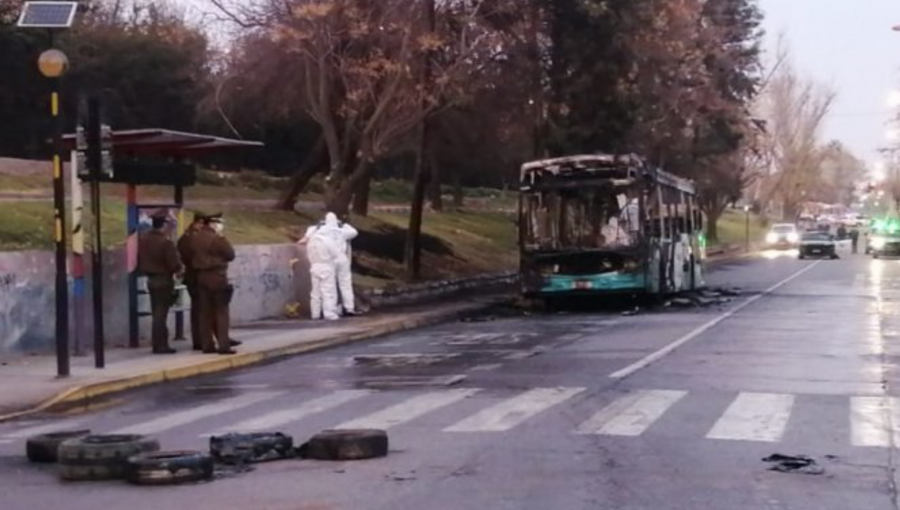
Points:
(871, 421)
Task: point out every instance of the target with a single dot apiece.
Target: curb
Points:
(87, 392)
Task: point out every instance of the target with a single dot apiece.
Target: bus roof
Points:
(627, 166)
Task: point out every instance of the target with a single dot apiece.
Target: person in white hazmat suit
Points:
(341, 234)
(322, 253)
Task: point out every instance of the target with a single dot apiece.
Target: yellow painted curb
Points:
(91, 391)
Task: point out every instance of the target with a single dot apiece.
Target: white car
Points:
(783, 235)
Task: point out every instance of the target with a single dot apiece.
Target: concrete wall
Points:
(265, 278)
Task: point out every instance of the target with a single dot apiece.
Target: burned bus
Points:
(603, 224)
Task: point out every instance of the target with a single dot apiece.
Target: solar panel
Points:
(48, 14)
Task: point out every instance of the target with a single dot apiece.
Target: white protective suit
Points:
(341, 234)
(321, 252)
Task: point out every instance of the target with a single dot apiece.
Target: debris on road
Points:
(802, 464)
(236, 449)
(346, 445)
(44, 448)
(632, 313)
(169, 468)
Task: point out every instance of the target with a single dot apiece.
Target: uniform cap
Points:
(160, 214)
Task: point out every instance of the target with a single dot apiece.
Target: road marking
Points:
(284, 416)
(47, 428)
(874, 421)
(408, 410)
(672, 347)
(6, 441)
(170, 421)
(631, 414)
(486, 368)
(512, 412)
(754, 417)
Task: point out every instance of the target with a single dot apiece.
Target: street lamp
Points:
(53, 64)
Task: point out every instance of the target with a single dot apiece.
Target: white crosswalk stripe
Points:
(754, 417)
(178, 419)
(512, 412)
(874, 421)
(284, 416)
(631, 414)
(45, 428)
(409, 409)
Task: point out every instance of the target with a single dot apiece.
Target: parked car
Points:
(783, 235)
(884, 245)
(817, 244)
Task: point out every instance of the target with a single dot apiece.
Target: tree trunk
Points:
(458, 197)
(413, 251)
(361, 197)
(434, 188)
(712, 227)
(315, 162)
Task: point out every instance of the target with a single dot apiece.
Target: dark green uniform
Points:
(185, 249)
(158, 260)
(210, 257)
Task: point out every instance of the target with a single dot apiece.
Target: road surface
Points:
(669, 409)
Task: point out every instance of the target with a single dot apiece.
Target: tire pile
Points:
(82, 456)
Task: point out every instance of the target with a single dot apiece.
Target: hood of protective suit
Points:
(331, 220)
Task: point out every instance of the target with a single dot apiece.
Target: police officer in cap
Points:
(158, 260)
(185, 249)
(210, 255)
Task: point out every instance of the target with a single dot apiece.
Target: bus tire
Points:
(169, 468)
(44, 448)
(102, 457)
(346, 445)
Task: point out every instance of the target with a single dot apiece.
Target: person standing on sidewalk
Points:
(854, 240)
(341, 234)
(321, 252)
(212, 252)
(158, 260)
(185, 249)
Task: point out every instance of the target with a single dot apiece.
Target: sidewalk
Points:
(29, 385)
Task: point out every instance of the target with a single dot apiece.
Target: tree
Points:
(726, 145)
(795, 109)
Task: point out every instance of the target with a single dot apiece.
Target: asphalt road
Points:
(669, 409)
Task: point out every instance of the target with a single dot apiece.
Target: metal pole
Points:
(134, 340)
(59, 213)
(94, 123)
(179, 202)
(97, 275)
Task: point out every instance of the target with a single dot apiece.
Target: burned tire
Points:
(101, 457)
(251, 448)
(346, 445)
(169, 468)
(43, 448)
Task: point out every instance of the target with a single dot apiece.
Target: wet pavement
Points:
(674, 408)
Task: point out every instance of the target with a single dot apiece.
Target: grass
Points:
(733, 228)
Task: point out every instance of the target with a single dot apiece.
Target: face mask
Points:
(219, 228)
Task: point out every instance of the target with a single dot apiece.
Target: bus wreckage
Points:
(604, 224)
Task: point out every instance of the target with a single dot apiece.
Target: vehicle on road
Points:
(783, 236)
(884, 244)
(604, 224)
(817, 244)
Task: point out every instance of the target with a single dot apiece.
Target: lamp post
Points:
(53, 64)
(747, 228)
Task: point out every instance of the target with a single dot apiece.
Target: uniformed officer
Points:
(158, 260)
(210, 257)
(185, 249)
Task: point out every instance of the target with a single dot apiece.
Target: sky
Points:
(849, 46)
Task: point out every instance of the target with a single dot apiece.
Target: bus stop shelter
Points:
(144, 157)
